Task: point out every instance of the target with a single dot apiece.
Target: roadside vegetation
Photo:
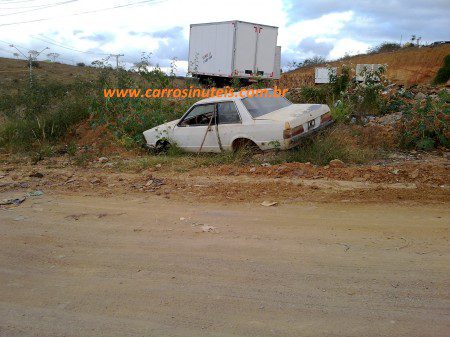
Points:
(43, 120)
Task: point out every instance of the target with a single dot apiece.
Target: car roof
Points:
(236, 96)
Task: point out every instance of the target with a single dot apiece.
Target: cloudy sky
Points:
(87, 30)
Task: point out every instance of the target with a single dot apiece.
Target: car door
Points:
(198, 126)
(229, 123)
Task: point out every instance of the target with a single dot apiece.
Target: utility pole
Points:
(32, 55)
(117, 58)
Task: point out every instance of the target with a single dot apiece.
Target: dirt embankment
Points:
(406, 66)
(419, 178)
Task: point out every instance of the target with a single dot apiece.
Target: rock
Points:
(420, 96)
(298, 173)
(390, 119)
(336, 163)
(414, 174)
(375, 168)
(36, 193)
(265, 165)
(95, 180)
(253, 169)
(158, 165)
(207, 228)
(103, 159)
(13, 201)
(269, 203)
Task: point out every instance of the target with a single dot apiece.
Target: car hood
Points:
(160, 131)
(296, 114)
(166, 125)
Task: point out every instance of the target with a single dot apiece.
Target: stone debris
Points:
(269, 203)
(336, 163)
(12, 201)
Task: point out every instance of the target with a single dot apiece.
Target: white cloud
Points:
(109, 31)
(348, 46)
(326, 25)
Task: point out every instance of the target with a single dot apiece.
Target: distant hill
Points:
(413, 65)
(14, 72)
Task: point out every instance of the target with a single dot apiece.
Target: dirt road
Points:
(142, 265)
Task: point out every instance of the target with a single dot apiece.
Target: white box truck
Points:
(234, 49)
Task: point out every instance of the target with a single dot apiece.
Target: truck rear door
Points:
(245, 49)
(265, 50)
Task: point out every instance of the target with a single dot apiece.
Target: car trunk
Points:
(296, 114)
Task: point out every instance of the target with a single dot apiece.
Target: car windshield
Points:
(258, 106)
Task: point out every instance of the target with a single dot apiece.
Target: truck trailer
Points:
(234, 49)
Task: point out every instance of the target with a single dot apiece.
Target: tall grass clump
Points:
(340, 142)
(42, 113)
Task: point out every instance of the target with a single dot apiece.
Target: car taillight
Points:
(326, 117)
(289, 133)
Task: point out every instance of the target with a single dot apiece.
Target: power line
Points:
(14, 2)
(37, 9)
(9, 44)
(7, 51)
(83, 13)
(65, 47)
(21, 7)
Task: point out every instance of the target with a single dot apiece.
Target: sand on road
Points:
(142, 265)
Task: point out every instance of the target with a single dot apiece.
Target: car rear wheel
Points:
(245, 146)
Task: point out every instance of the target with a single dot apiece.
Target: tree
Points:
(385, 47)
(312, 61)
(53, 56)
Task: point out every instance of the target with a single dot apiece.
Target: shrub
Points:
(340, 82)
(426, 125)
(315, 60)
(340, 112)
(385, 47)
(311, 94)
(81, 64)
(443, 74)
(128, 117)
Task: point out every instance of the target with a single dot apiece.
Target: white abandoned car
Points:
(229, 123)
